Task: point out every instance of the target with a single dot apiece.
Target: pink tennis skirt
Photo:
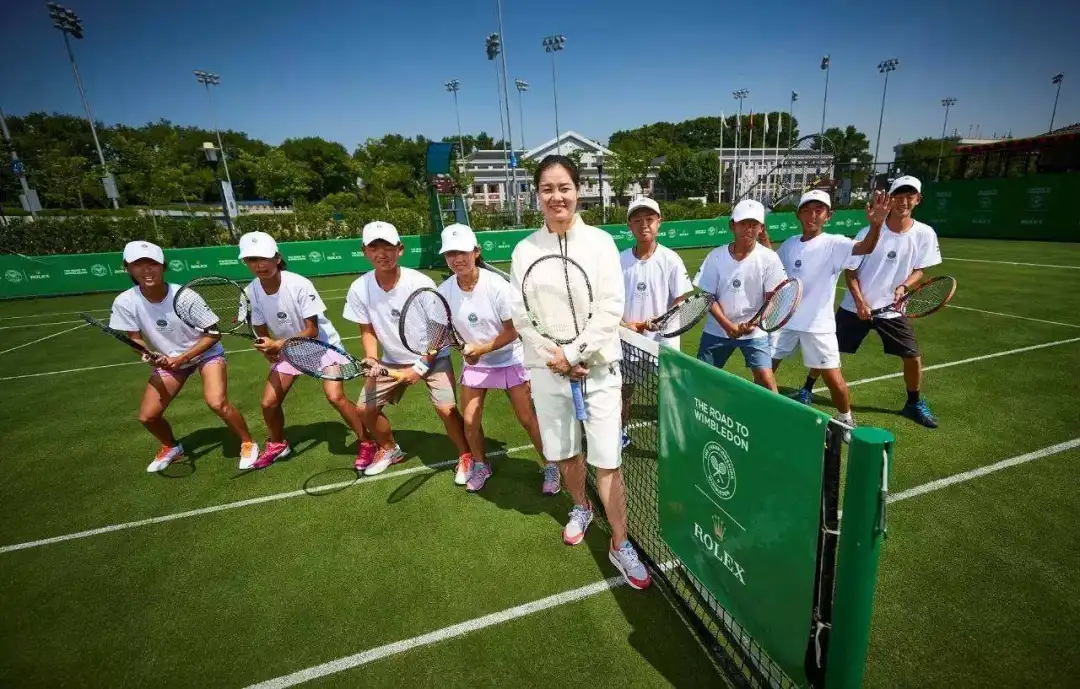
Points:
(330, 358)
(500, 378)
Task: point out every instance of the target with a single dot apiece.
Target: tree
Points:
(62, 178)
(629, 165)
(278, 177)
(333, 169)
(685, 173)
(920, 158)
(850, 144)
(388, 184)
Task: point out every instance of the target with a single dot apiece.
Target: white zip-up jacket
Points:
(595, 250)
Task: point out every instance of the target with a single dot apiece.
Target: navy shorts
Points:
(897, 335)
(716, 350)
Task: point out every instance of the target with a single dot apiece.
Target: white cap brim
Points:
(137, 250)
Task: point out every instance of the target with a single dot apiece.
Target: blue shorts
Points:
(716, 350)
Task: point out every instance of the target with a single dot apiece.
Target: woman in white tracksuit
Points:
(593, 357)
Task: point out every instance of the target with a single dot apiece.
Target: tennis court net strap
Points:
(732, 649)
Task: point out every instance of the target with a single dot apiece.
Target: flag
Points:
(766, 124)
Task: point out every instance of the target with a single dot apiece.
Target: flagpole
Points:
(764, 137)
(739, 95)
(776, 151)
(720, 163)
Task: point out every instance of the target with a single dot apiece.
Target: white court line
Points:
(235, 505)
(1012, 315)
(574, 595)
(949, 364)
(37, 325)
(1008, 263)
(124, 363)
(42, 339)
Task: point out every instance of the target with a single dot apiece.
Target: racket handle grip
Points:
(579, 400)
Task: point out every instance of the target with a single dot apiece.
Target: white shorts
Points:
(819, 350)
(560, 431)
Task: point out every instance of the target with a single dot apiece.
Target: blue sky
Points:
(351, 70)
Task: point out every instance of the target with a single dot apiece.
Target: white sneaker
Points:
(464, 469)
(249, 452)
(848, 424)
(383, 459)
(165, 457)
(574, 531)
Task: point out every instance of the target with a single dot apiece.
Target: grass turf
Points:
(975, 586)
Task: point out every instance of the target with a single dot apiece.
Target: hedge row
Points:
(97, 233)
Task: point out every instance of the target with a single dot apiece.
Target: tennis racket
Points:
(558, 300)
(216, 306)
(426, 327)
(928, 297)
(322, 360)
(487, 266)
(779, 307)
(683, 316)
(807, 164)
(147, 355)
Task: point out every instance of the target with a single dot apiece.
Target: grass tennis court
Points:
(240, 578)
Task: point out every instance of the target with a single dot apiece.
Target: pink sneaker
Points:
(364, 455)
(272, 453)
(481, 472)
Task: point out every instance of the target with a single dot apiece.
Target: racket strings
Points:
(426, 323)
(313, 357)
(928, 298)
(558, 301)
(685, 316)
(212, 303)
(780, 306)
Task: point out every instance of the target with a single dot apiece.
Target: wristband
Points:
(420, 367)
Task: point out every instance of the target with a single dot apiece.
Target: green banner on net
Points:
(740, 476)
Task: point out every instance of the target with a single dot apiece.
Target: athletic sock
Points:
(912, 397)
(809, 384)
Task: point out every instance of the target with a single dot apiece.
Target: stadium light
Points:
(493, 45)
(522, 87)
(739, 95)
(209, 79)
(825, 64)
(553, 44)
(452, 86)
(948, 103)
(1058, 78)
(884, 67)
(791, 116)
(69, 24)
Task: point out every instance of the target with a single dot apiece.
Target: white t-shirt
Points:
(652, 285)
(817, 264)
(159, 324)
(368, 304)
(894, 258)
(479, 315)
(285, 311)
(739, 286)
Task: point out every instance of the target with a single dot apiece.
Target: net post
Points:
(869, 457)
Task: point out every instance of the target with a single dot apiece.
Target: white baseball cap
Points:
(818, 195)
(257, 245)
(748, 209)
(458, 237)
(905, 181)
(643, 202)
(380, 229)
(133, 251)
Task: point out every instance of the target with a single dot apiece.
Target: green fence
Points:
(1039, 207)
(83, 273)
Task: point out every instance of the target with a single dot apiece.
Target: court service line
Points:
(238, 504)
(37, 325)
(949, 364)
(1012, 315)
(122, 363)
(1008, 263)
(42, 339)
(574, 595)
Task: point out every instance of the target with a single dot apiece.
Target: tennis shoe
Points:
(165, 456)
(272, 453)
(365, 455)
(464, 469)
(383, 459)
(625, 559)
(481, 472)
(803, 395)
(574, 531)
(551, 480)
(249, 454)
(850, 421)
(920, 413)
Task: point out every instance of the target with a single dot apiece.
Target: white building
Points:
(491, 181)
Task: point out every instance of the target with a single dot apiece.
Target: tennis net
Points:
(736, 654)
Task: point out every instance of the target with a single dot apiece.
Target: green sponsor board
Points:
(81, 273)
(1036, 207)
(740, 477)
